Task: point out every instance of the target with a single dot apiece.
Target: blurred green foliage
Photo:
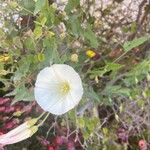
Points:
(42, 35)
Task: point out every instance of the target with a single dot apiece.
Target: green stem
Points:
(41, 115)
(40, 124)
(117, 59)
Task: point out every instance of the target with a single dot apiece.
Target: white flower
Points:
(58, 89)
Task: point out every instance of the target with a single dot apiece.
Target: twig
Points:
(52, 126)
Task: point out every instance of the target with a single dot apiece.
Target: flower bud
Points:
(17, 113)
(19, 137)
(74, 58)
(76, 44)
(20, 128)
(33, 130)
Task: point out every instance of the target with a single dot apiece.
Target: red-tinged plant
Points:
(4, 100)
(43, 140)
(58, 140)
(11, 124)
(9, 109)
(2, 108)
(70, 146)
(50, 147)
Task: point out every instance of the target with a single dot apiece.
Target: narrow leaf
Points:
(136, 42)
(39, 5)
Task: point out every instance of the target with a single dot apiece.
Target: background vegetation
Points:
(108, 44)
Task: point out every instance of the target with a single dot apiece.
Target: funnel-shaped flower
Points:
(18, 137)
(20, 133)
(19, 129)
(58, 88)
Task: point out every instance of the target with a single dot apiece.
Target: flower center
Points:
(64, 88)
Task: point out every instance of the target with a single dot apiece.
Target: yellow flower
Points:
(90, 53)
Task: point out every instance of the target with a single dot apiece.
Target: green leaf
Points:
(139, 72)
(71, 5)
(39, 5)
(87, 125)
(21, 93)
(147, 92)
(81, 122)
(136, 42)
(141, 103)
(91, 37)
(117, 90)
(114, 67)
(92, 94)
(38, 32)
(125, 29)
(43, 21)
(91, 123)
(29, 6)
(133, 27)
(23, 69)
(29, 43)
(13, 4)
(17, 42)
(75, 25)
(49, 13)
(51, 52)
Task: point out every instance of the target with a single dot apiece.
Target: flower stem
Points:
(40, 124)
(41, 115)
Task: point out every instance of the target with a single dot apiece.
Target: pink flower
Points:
(142, 144)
